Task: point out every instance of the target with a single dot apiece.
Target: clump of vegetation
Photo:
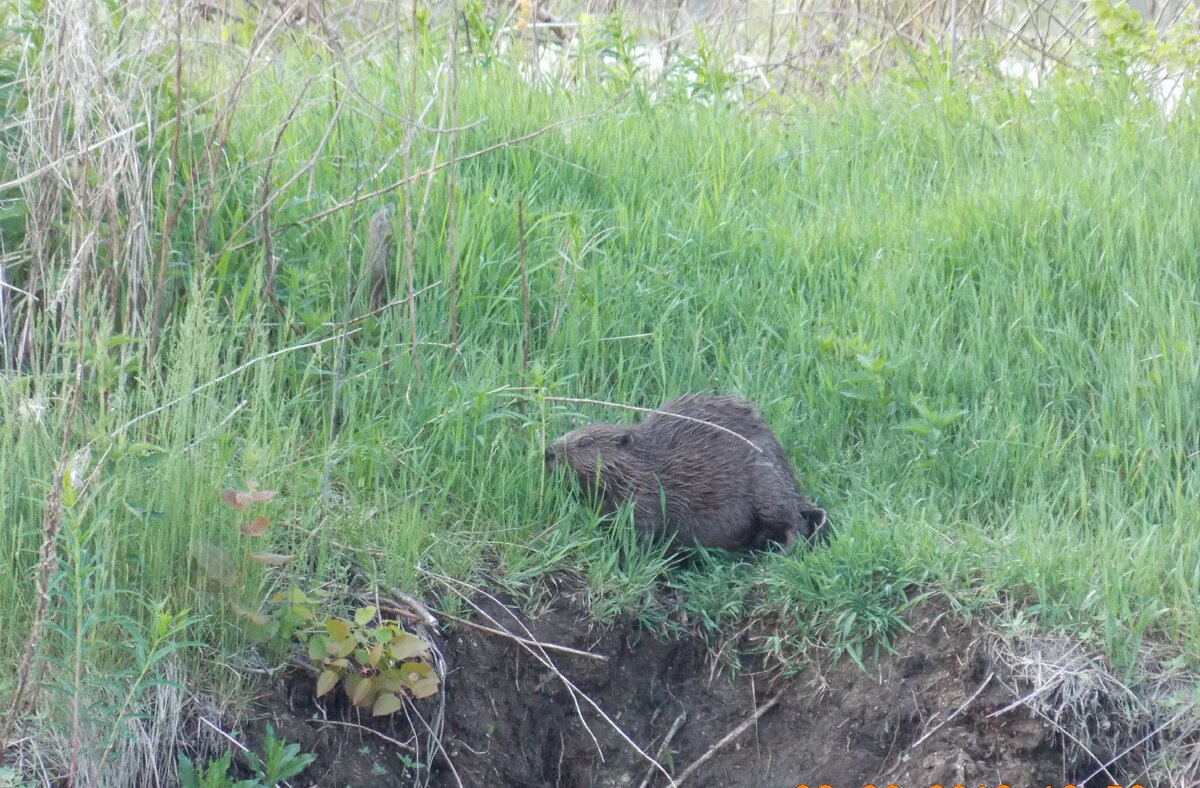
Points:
(280, 761)
(376, 665)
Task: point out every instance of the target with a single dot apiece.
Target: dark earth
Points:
(916, 717)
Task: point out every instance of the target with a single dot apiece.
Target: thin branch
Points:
(524, 287)
(40, 171)
(636, 409)
(729, 737)
(47, 555)
(666, 742)
(526, 641)
(956, 712)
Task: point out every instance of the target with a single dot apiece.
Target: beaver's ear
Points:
(625, 439)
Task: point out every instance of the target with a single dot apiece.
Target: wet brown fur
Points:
(692, 481)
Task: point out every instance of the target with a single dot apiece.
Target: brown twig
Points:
(524, 289)
(666, 742)
(526, 641)
(729, 737)
(258, 359)
(372, 731)
(268, 287)
(417, 607)
(956, 712)
(172, 209)
(451, 217)
(51, 520)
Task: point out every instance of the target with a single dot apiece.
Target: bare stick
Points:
(415, 605)
(518, 639)
(377, 261)
(227, 737)
(269, 261)
(729, 737)
(655, 410)
(410, 240)
(666, 742)
(394, 302)
(1104, 766)
(957, 712)
(524, 287)
(451, 219)
(51, 521)
(365, 729)
(40, 171)
(172, 210)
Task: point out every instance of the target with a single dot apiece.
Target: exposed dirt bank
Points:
(920, 716)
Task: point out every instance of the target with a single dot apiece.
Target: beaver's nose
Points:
(551, 455)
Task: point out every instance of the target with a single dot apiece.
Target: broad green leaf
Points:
(386, 703)
(327, 681)
(405, 646)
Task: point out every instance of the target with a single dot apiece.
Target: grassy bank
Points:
(971, 316)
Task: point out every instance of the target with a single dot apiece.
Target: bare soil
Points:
(919, 716)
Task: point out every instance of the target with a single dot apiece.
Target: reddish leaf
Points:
(259, 496)
(234, 498)
(256, 527)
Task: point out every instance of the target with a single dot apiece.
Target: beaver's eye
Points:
(625, 440)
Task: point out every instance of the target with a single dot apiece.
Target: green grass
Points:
(970, 315)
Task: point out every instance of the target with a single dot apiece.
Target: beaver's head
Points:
(605, 458)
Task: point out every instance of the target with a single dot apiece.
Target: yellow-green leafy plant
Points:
(376, 665)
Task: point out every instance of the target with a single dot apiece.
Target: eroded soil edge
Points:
(923, 715)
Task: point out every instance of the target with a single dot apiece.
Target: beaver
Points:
(729, 486)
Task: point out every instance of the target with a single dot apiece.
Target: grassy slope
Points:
(1032, 263)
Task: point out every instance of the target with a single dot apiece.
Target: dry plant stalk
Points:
(377, 260)
(451, 219)
(47, 554)
(172, 209)
(524, 289)
(410, 241)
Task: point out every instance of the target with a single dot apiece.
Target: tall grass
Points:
(971, 316)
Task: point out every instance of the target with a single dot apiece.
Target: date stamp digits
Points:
(972, 785)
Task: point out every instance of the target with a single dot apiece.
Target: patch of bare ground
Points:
(938, 709)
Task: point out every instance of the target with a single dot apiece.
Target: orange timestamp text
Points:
(971, 785)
